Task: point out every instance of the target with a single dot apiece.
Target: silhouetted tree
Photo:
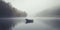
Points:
(7, 11)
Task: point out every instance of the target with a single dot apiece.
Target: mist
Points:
(32, 7)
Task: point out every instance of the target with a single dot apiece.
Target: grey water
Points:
(40, 24)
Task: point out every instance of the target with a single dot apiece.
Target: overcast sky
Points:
(33, 6)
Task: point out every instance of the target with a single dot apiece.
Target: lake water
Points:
(39, 24)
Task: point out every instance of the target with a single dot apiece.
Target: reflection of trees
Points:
(6, 10)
